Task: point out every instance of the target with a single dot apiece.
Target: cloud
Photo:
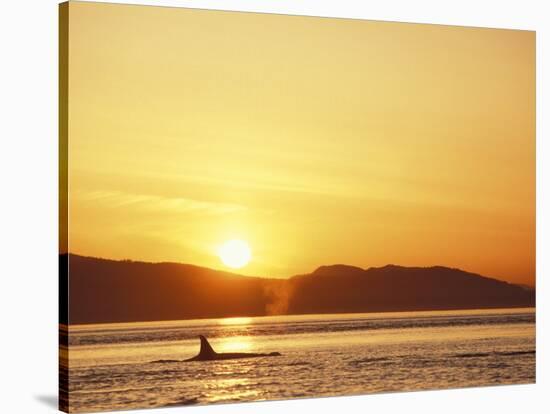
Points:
(155, 203)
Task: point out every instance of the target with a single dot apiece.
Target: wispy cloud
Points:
(155, 203)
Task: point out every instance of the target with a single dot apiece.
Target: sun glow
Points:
(235, 253)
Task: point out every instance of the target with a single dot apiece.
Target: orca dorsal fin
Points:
(206, 350)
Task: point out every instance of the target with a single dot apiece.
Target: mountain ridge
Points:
(106, 290)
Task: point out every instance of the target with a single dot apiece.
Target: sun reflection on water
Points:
(235, 344)
(234, 389)
(244, 320)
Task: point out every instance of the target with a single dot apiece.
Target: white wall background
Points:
(28, 203)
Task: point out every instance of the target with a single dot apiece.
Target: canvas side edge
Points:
(63, 401)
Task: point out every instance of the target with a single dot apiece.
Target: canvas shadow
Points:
(47, 400)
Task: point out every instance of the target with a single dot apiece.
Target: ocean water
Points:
(111, 365)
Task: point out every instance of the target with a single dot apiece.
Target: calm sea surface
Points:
(111, 364)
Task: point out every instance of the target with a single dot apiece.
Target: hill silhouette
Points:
(102, 290)
(343, 288)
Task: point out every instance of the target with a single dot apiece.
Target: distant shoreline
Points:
(65, 328)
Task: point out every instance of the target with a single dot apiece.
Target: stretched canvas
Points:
(264, 207)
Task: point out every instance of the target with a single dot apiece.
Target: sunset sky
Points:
(317, 141)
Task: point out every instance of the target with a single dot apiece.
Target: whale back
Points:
(206, 352)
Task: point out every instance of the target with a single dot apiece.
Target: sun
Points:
(235, 253)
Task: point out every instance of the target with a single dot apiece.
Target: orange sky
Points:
(317, 140)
